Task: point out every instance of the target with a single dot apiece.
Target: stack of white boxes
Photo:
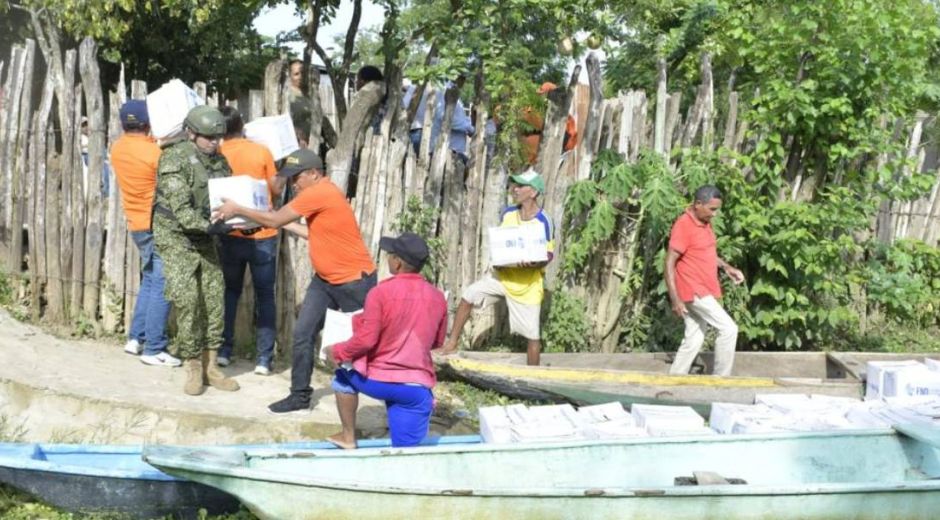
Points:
(669, 421)
(555, 423)
(887, 379)
(167, 108)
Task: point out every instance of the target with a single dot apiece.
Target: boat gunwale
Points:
(242, 471)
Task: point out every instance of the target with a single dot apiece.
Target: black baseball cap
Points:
(409, 247)
(300, 161)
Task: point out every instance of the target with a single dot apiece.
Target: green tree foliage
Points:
(211, 41)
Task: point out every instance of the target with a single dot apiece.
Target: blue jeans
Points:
(261, 256)
(409, 407)
(321, 295)
(148, 326)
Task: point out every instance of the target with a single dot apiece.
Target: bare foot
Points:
(341, 442)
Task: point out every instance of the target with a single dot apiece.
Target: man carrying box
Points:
(344, 269)
(522, 285)
(255, 248)
(134, 157)
(389, 355)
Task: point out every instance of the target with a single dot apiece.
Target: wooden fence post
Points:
(18, 184)
(94, 234)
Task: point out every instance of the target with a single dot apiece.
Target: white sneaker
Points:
(262, 370)
(133, 347)
(222, 361)
(161, 359)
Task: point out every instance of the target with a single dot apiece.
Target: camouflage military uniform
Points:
(194, 282)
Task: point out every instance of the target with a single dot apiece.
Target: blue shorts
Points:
(409, 406)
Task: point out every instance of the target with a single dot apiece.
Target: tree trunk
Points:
(9, 131)
(364, 106)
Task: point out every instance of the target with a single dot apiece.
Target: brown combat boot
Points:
(193, 369)
(214, 376)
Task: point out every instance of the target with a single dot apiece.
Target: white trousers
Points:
(701, 313)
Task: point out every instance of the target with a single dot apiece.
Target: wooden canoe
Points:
(114, 480)
(819, 475)
(644, 378)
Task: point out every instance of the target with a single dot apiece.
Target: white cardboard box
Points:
(789, 403)
(337, 328)
(670, 431)
(274, 132)
(607, 412)
(874, 381)
(512, 245)
(495, 426)
(167, 108)
(724, 416)
(912, 381)
(618, 429)
(660, 416)
(244, 190)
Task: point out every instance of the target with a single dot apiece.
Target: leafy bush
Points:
(566, 328)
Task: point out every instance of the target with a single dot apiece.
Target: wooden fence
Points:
(67, 249)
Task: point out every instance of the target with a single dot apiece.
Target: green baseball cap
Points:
(529, 177)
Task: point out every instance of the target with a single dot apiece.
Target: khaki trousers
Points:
(701, 313)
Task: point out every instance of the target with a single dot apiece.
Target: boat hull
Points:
(128, 498)
(300, 503)
(820, 475)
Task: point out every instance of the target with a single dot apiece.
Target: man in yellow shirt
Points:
(522, 286)
(255, 249)
(134, 158)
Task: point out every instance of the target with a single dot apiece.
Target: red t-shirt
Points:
(697, 267)
(403, 319)
(337, 252)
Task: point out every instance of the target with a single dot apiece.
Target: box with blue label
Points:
(244, 191)
(512, 245)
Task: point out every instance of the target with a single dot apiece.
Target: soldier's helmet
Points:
(205, 120)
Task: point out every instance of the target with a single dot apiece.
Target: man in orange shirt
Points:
(134, 158)
(692, 264)
(344, 269)
(256, 248)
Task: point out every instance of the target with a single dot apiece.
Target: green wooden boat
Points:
(644, 378)
(821, 475)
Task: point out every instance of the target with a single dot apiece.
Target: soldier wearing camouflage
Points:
(183, 235)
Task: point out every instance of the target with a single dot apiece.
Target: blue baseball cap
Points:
(134, 113)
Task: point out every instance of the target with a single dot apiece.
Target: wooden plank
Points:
(591, 135)
(9, 118)
(94, 230)
(672, 121)
(852, 366)
(71, 167)
(662, 96)
(18, 183)
(114, 279)
(78, 204)
(200, 88)
(255, 104)
(39, 168)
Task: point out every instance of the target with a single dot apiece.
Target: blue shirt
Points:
(460, 128)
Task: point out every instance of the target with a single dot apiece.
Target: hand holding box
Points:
(244, 191)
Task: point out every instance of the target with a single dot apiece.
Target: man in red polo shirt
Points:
(692, 279)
